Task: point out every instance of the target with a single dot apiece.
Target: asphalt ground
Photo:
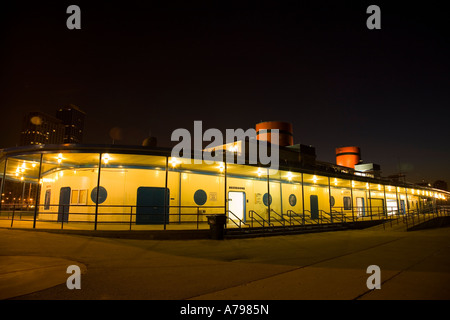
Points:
(317, 266)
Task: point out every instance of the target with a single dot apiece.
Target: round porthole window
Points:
(200, 197)
(267, 199)
(292, 200)
(102, 195)
(332, 201)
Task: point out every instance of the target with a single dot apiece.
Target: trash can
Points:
(217, 226)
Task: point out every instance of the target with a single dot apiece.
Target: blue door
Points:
(314, 206)
(402, 207)
(64, 204)
(360, 207)
(150, 205)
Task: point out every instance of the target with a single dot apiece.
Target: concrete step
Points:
(274, 231)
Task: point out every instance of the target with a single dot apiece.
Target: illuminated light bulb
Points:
(33, 164)
(259, 172)
(314, 179)
(174, 162)
(221, 167)
(289, 176)
(106, 158)
(21, 178)
(335, 182)
(353, 184)
(367, 185)
(379, 188)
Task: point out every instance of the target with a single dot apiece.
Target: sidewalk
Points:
(414, 265)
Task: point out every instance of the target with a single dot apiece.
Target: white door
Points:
(236, 204)
(391, 206)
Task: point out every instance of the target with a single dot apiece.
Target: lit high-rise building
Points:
(72, 118)
(39, 128)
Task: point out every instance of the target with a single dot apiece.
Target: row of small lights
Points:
(175, 162)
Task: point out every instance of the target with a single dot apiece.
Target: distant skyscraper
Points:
(73, 119)
(40, 128)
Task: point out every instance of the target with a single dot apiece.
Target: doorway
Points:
(64, 204)
(314, 206)
(361, 208)
(150, 205)
(236, 204)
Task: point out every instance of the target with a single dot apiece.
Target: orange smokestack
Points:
(348, 156)
(286, 137)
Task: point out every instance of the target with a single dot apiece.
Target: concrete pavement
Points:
(414, 265)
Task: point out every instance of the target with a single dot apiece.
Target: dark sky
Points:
(157, 66)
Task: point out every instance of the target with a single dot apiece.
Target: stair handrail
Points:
(281, 217)
(240, 221)
(309, 217)
(290, 212)
(252, 212)
(327, 213)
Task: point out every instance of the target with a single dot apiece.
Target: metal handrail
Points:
(252, 212)
(316, 221)
(282, 219)
(290, 212)
(240, 221)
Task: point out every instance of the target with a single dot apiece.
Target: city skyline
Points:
(150, 69)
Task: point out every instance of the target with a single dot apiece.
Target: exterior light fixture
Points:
(106, 157)
(174, 162)
(314, 179)
(60, 157)
(221, 167)
(289, 176)
(259, 172)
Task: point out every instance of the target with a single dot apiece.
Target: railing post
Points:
(303, 202)
(3, 184)
(38, 192)
(63, 215)
(131, 216)
(198, 212)
(12, 218)
(98, 189)
(329, 200)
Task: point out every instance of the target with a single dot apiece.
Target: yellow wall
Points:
(122, 185)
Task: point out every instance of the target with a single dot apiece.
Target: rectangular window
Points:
(79, 197)
(83, 197)
(347, 203)
(74, 198)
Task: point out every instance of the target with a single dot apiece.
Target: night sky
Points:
(152, 67)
